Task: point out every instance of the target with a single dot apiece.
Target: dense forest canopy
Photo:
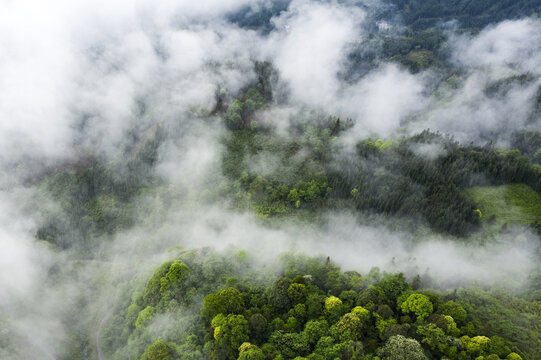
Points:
(246, 179)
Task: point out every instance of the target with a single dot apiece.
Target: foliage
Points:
(399, 347)
(300, 316)
(159, 350)
(508, 204)
(418, 304)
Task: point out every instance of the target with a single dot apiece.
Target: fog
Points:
(81, 78)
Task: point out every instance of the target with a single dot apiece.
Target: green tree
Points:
(159, 350)
(418, 304)
(290, 345)
(258, 326)
(393, 286)
(278, 294)
(349, 326)
(455, 310)
(233, 115)
(434, 337)
(249, 351)
(232, 332)
(227, 301)
(399, 347)
(297, 293)
(172, 279)
(144, 316)
(362, 313)
(152, 295)
(315, 329)
(331, 302)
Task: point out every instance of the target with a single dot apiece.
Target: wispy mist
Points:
(87, 78)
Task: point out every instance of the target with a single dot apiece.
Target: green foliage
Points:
(362, 313)
(232, 333)
(248, 351)
(434, 337)
(278, 294)
(227, 301)
(418, 304)
(508, 204)
(393, 286)
(455, 310)
(144, 316)
(159, 350)
(476, 14)
(349, 326)
(177, 271)
(316, 329)
(332, 302)
(243, 322)
(401, 348)
(297, 293)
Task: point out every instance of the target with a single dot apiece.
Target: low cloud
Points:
(80, 78)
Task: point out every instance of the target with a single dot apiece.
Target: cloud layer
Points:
(82, 77)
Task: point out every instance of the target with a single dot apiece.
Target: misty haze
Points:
(270, 180)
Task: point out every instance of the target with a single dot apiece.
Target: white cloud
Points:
(309, 46)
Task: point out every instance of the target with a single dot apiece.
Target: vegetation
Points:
(313, 310)
(508, 204)
(204, 304)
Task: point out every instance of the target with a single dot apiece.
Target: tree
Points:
(290, 345)
(177, 271)
(419, 304)
(370, 296)
(455, 310)
(477, 345)
(159, 350)
(144, 316)
(434, 337)
(514, 356)
(278, 294)
(362, 313)
(258, 326)
(232, 331)
(227, 301)
(233, 115)
(170, 283)
(151, 295)
(393, 286)
(331, 302)
(249, 351)
(316, 329)
(399, 347)
(297, 293)
(349, 326)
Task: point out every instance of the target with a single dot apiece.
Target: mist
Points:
(82, 79)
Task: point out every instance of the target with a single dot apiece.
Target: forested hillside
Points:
(256, 180)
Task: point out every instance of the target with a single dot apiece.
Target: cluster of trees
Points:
(529, 144)
(305, 174)
(470, 14)
(312, 310)
(394, 177)
(96, 194)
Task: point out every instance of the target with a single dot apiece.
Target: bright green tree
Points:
(144, 316)
(418, 304)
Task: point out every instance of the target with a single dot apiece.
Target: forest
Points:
(251, 180)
